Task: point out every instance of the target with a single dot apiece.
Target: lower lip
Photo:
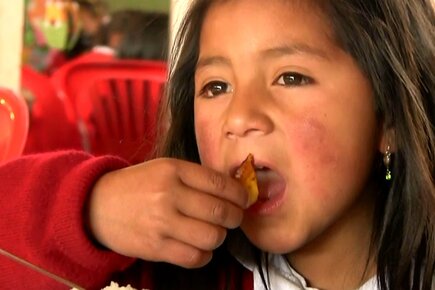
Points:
(267, 207)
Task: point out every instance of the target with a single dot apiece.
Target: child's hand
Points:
(166, 210)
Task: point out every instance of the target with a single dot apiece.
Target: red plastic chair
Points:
(62, 79)
(116, 103)
(49, 128)
(14, 124)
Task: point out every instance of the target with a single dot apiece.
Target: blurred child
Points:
(92, 16)
(135, 34)
(144, 35)
(335, 101)
(88, 20)
(130, 34)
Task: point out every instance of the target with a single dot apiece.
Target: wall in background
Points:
(11, 39)
(151, 5)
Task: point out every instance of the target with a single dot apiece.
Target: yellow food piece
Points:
(246, 174)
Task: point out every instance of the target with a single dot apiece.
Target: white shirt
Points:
(282, 276)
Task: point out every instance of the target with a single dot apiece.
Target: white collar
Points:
(281, 275)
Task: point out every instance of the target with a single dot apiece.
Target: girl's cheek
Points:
(314, 155)
(310, 140)
(207, 146)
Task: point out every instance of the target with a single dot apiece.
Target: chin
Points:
(275, 244)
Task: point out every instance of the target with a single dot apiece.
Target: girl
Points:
(328, 96)
(334, 100)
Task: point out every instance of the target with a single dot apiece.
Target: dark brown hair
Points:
(393, 43)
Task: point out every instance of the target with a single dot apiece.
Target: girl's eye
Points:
(293, 79)
(215, 88)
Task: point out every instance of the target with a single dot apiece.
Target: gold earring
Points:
(387, 161)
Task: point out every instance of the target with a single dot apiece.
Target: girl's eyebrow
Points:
(273, 52)
(295, 48)
(212, 60)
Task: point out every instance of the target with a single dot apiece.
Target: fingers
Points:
(191, 242)
(167, 210)
(198, 234)
(208, 208)
(213, 182)
(184, 255)
(185, 241)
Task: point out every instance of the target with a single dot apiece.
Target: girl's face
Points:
(272, 81)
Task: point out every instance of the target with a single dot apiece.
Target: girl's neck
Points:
(340, 258)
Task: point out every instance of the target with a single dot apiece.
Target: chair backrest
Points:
(116, 102)
(49, 129)
(66, 81)
(14, 124)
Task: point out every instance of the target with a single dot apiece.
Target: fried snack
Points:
(246, 174)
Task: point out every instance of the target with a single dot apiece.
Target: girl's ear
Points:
(388, 140)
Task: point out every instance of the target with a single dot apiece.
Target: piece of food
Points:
(115, 286)
(246, 174)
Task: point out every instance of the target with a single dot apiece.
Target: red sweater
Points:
(43, 198)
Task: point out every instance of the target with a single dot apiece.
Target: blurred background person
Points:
(135, 34)
(93, 15)
(144, 37)
(86, 21)
(129, 34)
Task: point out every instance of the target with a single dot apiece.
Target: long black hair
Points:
(393, 42)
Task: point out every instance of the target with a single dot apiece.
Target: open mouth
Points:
(270, 183)
(264, 185)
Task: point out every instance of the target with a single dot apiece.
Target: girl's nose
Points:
(247, 115)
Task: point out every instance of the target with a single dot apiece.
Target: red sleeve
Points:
(42, 199)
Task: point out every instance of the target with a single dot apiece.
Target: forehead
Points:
(252, 22)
